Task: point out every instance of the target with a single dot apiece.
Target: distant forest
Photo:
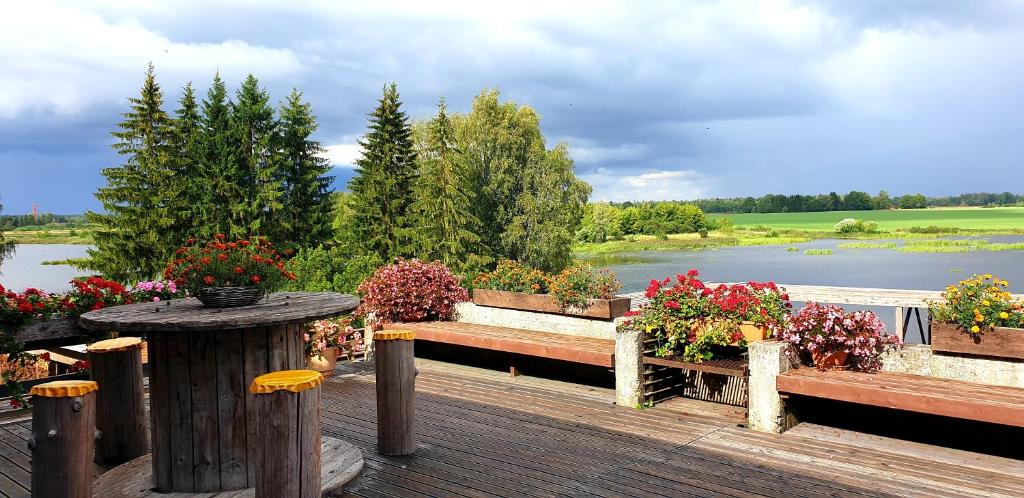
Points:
(852, 201)
(14, 221)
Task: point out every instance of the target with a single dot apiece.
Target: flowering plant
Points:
(682, 313)
(513, 276)
(332, 333)
(17, 309)
(576, 285)
(93, 293)
(827, 329)
(155, 291)
(410, 290)
(979, 303)
(222, 263)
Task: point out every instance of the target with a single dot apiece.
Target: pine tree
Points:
(382, 187)
(254, 191)
(191, 199)
(305, 215)
(217, 155)
(442, 212)
(132, 241)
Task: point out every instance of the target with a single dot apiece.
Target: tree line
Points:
(852, 201)
(236, 166)
(13, 221)
(465, 189)
(603, 220)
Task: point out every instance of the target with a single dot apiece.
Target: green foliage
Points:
(254, 191)
(601, 221)
(446, 228)
(135, 238)
(916, 201)
(305, 214)
(382, 189)
(654, 218)
(217, 148)
(818, 252)
(513, 276)
(6, 246)
(857, 201)
(853, 225)
(576, 285)
(529, 200)
(330, 270)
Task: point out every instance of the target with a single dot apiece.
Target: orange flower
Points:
(254, 278)
(205, 260)
(222, 257)
(239, 270)
(208, 279)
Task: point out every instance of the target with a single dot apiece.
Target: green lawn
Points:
(1009, 218)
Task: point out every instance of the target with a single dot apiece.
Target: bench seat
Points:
(916, 393)
(587, 350)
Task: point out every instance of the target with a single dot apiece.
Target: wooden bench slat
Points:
(959, 399)
(587, 350)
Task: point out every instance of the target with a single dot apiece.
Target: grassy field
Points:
(65, 236)
(966, 219)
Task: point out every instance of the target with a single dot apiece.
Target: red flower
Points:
(245, 243)
(205, 260)
(222, 257)
(208, 279)
(254, 278)
(239, 270)
(45, 356)
(219, 236)
(672, 305)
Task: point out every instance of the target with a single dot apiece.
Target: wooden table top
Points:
(189, 315)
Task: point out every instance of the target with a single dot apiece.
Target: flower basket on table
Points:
(833, 339)
(694, 322)
(978, 316)
(224, 274)
(579, 290)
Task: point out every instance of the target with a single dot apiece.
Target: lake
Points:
(24, 269)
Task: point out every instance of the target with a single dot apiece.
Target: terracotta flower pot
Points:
(833, 360)
(324, 362)
(753, 332)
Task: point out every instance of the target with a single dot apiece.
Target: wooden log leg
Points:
(120, 402)
(288, 414)
(63, 433)
(396, 385)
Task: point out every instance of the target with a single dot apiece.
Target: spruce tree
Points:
(217, 155)
(191, 199)
(254, 192)
(132, 241)
(382, 187)
(305, 215)
(442, 212)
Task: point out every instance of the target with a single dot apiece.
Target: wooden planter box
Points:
(545, 303)
(1000, 342)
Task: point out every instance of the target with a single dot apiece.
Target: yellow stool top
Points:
(118, 344)
(392, 335)
(64, 388)
(286, 380)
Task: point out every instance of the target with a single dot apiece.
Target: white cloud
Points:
(61, 58)
(659, 185)
(343, 155)
(596, 155)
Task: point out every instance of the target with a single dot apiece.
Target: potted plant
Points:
(410, 290)
(223, 273)
(579, 290)
(978, 316)
(837, 340)
(760, 309)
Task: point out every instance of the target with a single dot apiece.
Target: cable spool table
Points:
(202, 360)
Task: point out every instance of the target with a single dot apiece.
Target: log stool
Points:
(63, 436)
(120, 404)
(288, 433)
(396, 391)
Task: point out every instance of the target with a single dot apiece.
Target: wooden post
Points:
(899, 332)
(116, 365)
(288, 433)
(396, 386)
(63, 433)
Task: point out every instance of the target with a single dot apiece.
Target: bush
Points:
(853, 225)
(513, 276)
(411, 291)
(330, 270)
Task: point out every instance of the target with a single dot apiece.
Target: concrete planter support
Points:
(629, 368)
(532, 320)
(766, 410)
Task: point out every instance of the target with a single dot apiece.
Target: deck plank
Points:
(482, 434)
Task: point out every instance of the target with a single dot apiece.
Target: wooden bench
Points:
(586, 350)
(950, 398)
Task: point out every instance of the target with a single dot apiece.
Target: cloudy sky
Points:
(658, 100)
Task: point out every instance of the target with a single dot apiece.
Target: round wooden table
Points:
(201, 362)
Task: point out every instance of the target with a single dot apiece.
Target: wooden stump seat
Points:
(916, 393)
(587, 350)
(121, 401)
(288, 414)
(63, 433)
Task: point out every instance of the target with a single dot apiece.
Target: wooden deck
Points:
(482, 433)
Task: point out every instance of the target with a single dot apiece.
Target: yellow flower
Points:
(1004, 315)
(985, 303)
(987, 276)
(975, 329)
